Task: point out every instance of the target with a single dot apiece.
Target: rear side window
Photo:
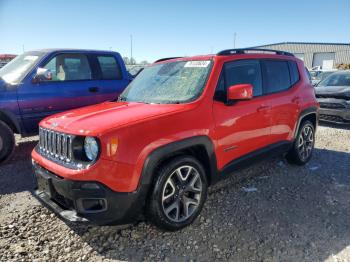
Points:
(244, 72)
(276, 76)
(308, 75)
(109, 66)
(294, 72)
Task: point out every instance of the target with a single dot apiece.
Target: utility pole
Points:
(234, 40)
(130, 49)
(22, 48)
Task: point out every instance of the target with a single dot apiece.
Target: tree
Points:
(132, 61)
(126, 60)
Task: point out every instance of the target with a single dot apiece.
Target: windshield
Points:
(173, 82)
(324, 75)
(16, 70)
(337, 79)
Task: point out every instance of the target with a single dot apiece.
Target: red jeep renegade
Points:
(179, 127)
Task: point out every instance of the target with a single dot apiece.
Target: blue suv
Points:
(40, 83)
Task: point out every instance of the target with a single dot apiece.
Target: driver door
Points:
(71, 87)
(243, 126)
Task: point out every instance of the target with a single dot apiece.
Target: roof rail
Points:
(245, 50)
(166, 58)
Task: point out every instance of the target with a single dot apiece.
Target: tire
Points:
(180, 186)
(303, 146)
(7, 142)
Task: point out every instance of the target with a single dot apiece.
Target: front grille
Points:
(331, 118)
(332, 105)
(55, 145)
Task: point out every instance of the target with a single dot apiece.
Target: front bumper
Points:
(334, 110)
(86, 201)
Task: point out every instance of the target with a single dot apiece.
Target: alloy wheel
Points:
(182, 193)
(305, 142)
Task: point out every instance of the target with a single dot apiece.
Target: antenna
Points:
(130, 49)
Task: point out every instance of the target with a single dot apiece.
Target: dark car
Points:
(40, 83)
(333, 94)
(318, 76)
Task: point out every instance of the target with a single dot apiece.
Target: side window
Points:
(66, 67)
(110, 69)
(294, 72)
(276, 76)
(51, 65)
(244, 72)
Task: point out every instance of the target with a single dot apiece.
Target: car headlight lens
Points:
(91, 148)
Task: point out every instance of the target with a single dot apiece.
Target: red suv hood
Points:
(101, 117)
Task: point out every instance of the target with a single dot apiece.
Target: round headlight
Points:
(91, 148)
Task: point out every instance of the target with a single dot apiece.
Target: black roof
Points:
(301, 43)
(247, 50)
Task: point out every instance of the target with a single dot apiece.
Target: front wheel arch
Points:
(189, 146)
(10, 120)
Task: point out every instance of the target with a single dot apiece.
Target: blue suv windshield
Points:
(167, 83)
(17, 69)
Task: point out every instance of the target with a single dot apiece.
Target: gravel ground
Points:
(270, 212)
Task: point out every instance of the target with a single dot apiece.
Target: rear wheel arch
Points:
(309, 114)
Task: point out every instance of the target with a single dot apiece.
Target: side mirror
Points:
(42, 74)
(240, 92)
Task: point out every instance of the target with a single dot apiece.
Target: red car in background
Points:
(5, 58)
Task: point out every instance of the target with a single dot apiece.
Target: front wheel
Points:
(179, 193)
(303, 146)
(7, 142)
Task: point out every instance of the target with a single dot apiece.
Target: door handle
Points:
(93, 89)
(263, 108)
(296, 100)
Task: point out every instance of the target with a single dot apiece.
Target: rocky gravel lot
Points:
(270, 212)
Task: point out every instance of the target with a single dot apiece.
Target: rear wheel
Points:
(178, 194)
(7, 142)
(303, 146)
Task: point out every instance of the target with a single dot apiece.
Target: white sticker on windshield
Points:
(197, 63)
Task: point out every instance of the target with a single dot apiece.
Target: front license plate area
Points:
(44, 184)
